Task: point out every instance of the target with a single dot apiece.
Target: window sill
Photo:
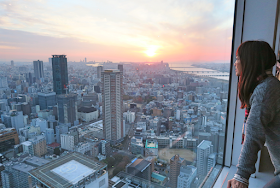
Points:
(227, 173)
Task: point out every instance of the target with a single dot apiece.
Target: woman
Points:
(259, 93)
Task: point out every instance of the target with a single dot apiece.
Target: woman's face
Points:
(237, 65)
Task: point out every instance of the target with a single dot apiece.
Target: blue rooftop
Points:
(158, 176)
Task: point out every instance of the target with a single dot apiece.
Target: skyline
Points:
(172, 31)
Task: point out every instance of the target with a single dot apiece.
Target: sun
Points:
(151, 51)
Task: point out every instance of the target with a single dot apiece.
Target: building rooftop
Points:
(65, 171)
(23, 167)
(151, 143)
(36, 161)
(204, 144)
(139, 164)
(27, 143)
(158, 176)
(86, 109)
(46, 94)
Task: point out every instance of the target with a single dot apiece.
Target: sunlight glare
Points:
(151, 51)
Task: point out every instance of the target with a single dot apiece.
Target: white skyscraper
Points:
(204, 149)
(211, 161)
(112, 99)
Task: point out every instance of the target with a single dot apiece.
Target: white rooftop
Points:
(73, 171)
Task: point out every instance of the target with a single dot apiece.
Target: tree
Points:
(56, 151)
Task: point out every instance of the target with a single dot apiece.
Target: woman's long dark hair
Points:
(256, 57)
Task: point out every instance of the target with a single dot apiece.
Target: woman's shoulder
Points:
(269, 88)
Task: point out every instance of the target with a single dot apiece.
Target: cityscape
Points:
(105, 124)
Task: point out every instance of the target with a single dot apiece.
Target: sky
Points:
(172, 31)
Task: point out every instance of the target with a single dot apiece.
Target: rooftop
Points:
(67, 170)
(151, 144)
(158, 176)
(204, 144)
(139, 164)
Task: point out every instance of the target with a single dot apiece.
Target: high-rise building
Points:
(186, 176)
(12, 63)
(39, 145)
(85, 59)
(211, 161)
(38, 69)
(112, 100)
(68, 141)
(204, 149)
(175, 164)
(60, 74)
(99, 70)
(3, 82)
(67, 108)
(46, 100)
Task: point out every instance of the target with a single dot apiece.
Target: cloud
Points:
(173, 25)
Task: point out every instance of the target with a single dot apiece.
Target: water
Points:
(188, 68)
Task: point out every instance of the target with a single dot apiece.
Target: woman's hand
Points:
(235, 184)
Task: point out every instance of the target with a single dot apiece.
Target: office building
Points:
(137, 146)
(186, 176)
(87, 113)
(39, 145)
(204, 149)
(16, 174)
(126, 180)
(46, 100)
(68, 141)
(49, 136)
(99, 71)
(38, 69)
(8, 138)
(60, 74)
(67, 108)
(17, 120)
(87, 173)
(140, 168)
(27, 147)
(3, 82)
(12, 63)
(120, 67)
(211, 161)
(104, 148)
(175, 164)
(112, 99)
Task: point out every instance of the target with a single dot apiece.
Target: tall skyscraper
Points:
(60, 74)
(112, 100)
(85, 59)
(175, 165)
(67, 108)
(38, 69)
(204, 149)
(99, 70)
(50, 61)
(12, 63)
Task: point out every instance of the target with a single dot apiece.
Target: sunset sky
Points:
(117, 30)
